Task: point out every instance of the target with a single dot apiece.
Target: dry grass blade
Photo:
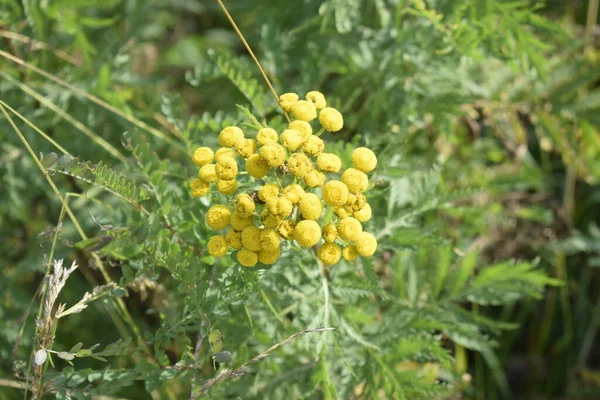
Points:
(36, 44)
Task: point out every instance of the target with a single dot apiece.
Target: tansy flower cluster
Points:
(297, 191)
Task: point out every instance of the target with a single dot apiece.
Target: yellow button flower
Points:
(203, 156)
(341, 212)
(291, 139)
(279, 206)
(273, 154)
(230, 135)
(317, 99)
(222, 153)
(269, 257)
(227, 169)
(330, 233)
(364, 159)
(208, 173)
(198, 187)
(267, 136)
(286, 229)
(269, 220)
(240, 223)
(244, 205)
(247, 258)
(234, 239)
(287, 100)
(269, 240)
(331, 119)
(349, 229)
(314, 178)
(227, 187)
(356, 180)
(267, 191)
(218, 217)
(245, 147)
(217, 246)
(303, 127)
(335, 193)
(256, 166)
(366, 244)
(329, 162)
(303, 110)
(293, 192)
(313, 146)
(329, 253)
(310, 206)
(364, 214)
(350, 253)
(251, 238)
(307, 233)
(299, 165)
(355, 202)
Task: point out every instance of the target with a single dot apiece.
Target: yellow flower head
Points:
(245, 147)
(330, 233)
(269, 220)
(234, 239)
(203, 156)
(317, 99)
(303, 127)
(335, 193)
(307, 233)
(366, 244)
(310, 206)
(208, 173)
(269, 257)
(230, 135)
(349, 229)
(198, 187)
(256, 166)
(247, 258)
(331, 119)
(227, 187)
(240, 223)
(251, 238)
(329, 162)
(227, 169)
(244, 205)
(286, 229)
(299, 165)
(217, 246)
(287, 100)
(273, 154)
(329, 253)
(364, 214)
(355, 202)
(267, 191)
(350, 253)
(313, 146)
(267, 136)
(356, 180)
(303, 110)
(279, 206)
(364, 159)
(293, 192)
(269, 240)
(222, 153)
(314, 178)
(291, 139)
(218, 217)
(341, 212)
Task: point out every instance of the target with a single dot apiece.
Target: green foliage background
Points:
(484, 116)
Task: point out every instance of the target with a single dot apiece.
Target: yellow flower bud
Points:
(329, 253)
(247, 258)
(364, 159)
(269, 220)
(267, 191)
(286, 229)
(317, 99)
(307, 233)
(303, 127)
(279, 206)
(335, 193)
(349, 253)
(366, 244)
(287, 100)
(269, 257)
(331, 119)
(269, 240)
(341, 212)
(208, 173)
(217, 246)
(245, 147)
(364, 214)
(234, 239)
(303, 110)
(199, 188)
(349, 229)
(202, 156)
(230, 135)
(355, 202)
(330, 233)
(240, 223)
(299, 165)
(223, 153)
(227, 169)
(291, 139)
(256, 166)
(251, 238)
(273, 154)
(227, 187)
(329, 162)
(267, 136)
(244, 205)
(314, 178)
(310, 206)
(313, 146)
(218, 217)
(293, 192)
(356, 180)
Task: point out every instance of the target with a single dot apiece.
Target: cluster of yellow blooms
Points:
(290, 170)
